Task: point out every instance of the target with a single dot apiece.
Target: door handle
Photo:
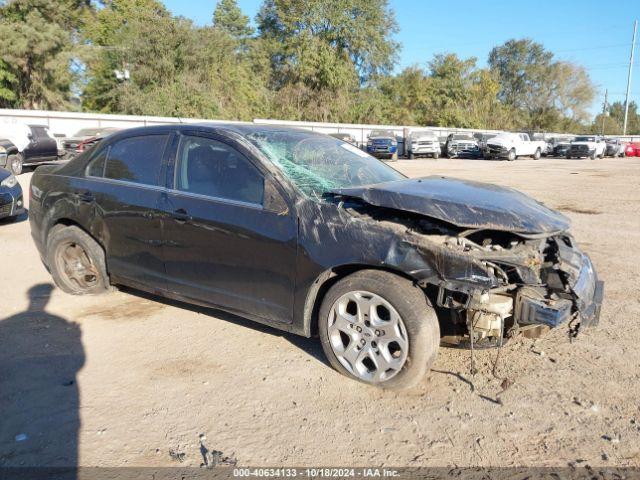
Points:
(181, 216)
(86, 196)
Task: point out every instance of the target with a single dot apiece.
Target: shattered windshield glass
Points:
(317, 164)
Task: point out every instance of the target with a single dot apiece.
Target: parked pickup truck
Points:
(423, 143)
(462, 145)
(615, 147)
(590, 146)
(383, 144)
(26, 145)
(513, 145)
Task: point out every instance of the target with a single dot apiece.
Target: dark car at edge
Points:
(307, 234)
(11, 201)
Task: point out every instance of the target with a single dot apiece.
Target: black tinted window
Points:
(39, 132)
(212, 168)
(136, 159)
(96, 166)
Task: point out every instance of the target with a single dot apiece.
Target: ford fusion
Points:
(309, 234)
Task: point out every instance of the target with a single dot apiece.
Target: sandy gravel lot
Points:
(129, 379)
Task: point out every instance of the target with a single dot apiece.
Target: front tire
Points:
(15, 162)
(436, 155)
(511, 156)
(379, 328)
(411, 156)
(76, 261)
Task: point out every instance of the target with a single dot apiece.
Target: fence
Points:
(67, 123)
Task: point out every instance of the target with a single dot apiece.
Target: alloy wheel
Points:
(367, 336)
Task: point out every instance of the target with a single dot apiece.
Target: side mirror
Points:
(30, 136)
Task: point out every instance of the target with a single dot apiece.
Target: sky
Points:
(594, 34)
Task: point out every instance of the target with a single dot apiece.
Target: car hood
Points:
(463, 203)
(583, 143)
(391, 139)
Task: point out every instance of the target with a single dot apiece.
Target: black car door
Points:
(223, 245)
(41, 146)
(124, 182)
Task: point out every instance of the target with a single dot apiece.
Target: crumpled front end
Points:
(492, 261)
(497, 284)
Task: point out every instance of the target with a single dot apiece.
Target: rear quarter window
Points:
(96, 165)
(136, 159)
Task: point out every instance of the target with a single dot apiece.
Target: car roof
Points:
(238, 128)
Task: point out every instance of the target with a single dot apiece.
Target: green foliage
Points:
(547, 93)
(228, 17)
(324, 60)
(36, 52)
(614, 122)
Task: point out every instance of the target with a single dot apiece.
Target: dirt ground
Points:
(129, 379)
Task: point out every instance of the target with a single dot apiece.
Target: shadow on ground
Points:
(40, 356)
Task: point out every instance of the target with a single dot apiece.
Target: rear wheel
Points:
(76, 261)
(537, 155)
(378, 328)
(15, 163)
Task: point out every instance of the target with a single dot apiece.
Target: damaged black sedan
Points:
(311, 235)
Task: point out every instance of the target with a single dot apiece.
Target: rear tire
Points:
(537, 155)
(363, 338)
(15, 162)
(76, 261)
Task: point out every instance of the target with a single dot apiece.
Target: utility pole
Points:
(626, 102)
(605, 106)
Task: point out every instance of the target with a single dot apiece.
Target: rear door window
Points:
(136, 159)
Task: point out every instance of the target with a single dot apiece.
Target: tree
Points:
(323, 51)
(108, 51)
(615, 120)
(228, 17)
(546, 92)
(175, 68)
(37, 48)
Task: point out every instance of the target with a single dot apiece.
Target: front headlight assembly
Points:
(9, 182)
